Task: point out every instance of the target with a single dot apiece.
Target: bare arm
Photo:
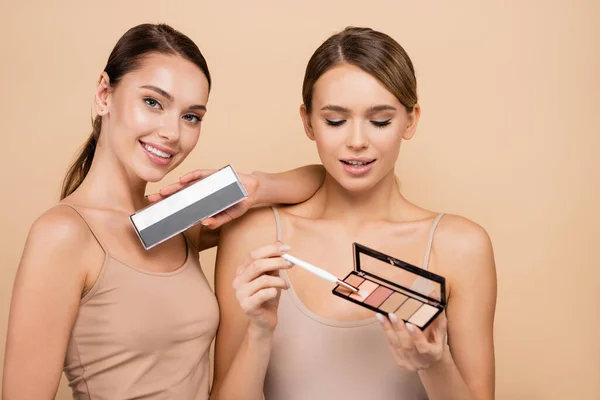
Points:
(45, 301)
(248, 311)
(467, 368)
(288, 187)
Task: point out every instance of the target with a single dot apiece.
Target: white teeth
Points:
(356, 162)
(156, 151)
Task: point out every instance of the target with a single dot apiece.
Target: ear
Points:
(306, 121)
(411, 124)
(102, 98)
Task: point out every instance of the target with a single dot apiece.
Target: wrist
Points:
(259, 334)
(261, 186)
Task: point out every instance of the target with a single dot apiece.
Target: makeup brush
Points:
(321, 273)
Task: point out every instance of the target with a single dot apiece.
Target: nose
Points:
(169, 129)
(357, 137)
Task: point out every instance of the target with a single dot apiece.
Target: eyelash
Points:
(149, 100)
(198, 119)
(378, 124)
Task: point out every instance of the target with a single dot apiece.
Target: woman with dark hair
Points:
(123, 322)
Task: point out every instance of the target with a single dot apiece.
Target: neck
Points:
(380, 202)
(108, 185)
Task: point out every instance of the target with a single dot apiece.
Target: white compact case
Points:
(203, 199)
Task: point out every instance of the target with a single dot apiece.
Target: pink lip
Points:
(157, 159)
(358, 170)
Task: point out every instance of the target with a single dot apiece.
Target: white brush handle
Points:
(311, 268)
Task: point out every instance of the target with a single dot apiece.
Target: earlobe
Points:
(103, 91)
(411, 124)
(306, 122)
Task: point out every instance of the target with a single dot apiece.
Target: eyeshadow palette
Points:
(394, 286)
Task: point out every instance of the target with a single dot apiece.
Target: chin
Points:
(357, 185)
(151, 174)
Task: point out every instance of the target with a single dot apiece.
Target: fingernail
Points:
(380, 317)
(204, 223)
(290, 264)
(393, 318)
(285, 247)
(409, 327)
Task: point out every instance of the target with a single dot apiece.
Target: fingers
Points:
(271, 250)
(225, 216)
(420, 341)
(439, 328)
(196, 175)
(165, 192)
(171, 189)
(388, 329)
(259, 268)
(404, 337)
(251, 304)
(262, 282)
(154, 197)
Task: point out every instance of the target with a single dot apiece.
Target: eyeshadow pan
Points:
(408, 308)
(392, 303)
(353, 280)
(378, 296)
(424, 314)
(367, 286)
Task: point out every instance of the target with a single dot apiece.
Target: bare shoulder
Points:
(57, 238)
(59, 226)
(463, 249)
(257, 226)
(462, 235)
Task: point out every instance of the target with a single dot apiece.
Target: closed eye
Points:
(335, 123)
(381, 124)
(194, 119)
(152, 103)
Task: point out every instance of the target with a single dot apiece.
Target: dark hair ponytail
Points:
(82, 164)
(126, 56)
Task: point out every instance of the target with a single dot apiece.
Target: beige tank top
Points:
(317, 358)
(143, 335)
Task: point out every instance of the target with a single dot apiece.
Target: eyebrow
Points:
(170, 97)
(382, 107)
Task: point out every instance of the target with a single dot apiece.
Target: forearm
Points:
(443, 381)
(245, 378)
(289, 187)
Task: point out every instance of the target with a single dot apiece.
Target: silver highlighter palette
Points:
(203, 199)
(394, 286)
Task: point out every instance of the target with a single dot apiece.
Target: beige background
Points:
(508, 137)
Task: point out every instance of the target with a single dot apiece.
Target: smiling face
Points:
(358, 126)
(152, 118)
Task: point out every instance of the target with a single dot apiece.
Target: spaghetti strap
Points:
(430, 241)
(100, 242)
(277, 223)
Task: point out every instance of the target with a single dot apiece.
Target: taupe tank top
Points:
(317, 358)
(143, 335)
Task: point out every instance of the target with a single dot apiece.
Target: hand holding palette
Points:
(394, 286)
